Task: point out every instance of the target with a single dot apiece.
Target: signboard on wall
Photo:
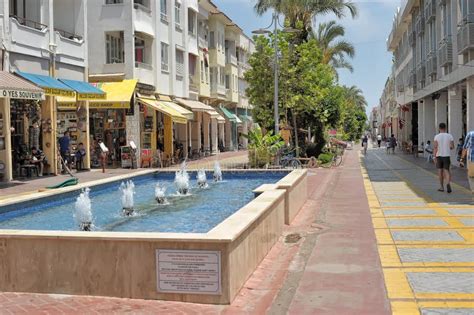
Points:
(188, 271)
(20, 94)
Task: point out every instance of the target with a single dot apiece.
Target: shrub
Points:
(325, 158)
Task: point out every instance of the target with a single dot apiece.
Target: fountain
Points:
(83, 211)
(160, 194)
(201, 178)
(128, 190)
(217, 172)
(181, 180)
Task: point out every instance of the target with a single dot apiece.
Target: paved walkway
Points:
(27, 186)
(375, 241)
(425, 238)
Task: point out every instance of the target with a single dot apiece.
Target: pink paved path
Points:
(332, 269)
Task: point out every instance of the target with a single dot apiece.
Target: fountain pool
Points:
(197, 212)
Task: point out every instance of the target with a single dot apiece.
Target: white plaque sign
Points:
(188, 271)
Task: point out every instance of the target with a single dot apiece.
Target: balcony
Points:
(465, 38)
(144, 73)
(218, 91)
(231, 59)
(70, 49)
(445, 52)
(143, 20)
(412, 79)
(29, 37)
(193, 85)
(421, 73)
(202, 42)
(420, 25)
(142, 5)
(431, 64)
(430, 10)
(412, 38)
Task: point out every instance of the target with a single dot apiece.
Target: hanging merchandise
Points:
(401, 123)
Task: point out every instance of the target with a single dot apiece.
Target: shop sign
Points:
(91, 96)
(104, 105)
(59, 92)
(67, 106)
(188, 271)
(19, 94)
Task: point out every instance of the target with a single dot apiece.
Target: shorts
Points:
(443, 162)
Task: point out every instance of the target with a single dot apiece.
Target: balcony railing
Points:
(29, 23)
(202, 42)
(193, 86)
(421, 73)
(465, 37)
(431, 64)
(140, 6)
(445, 52)
(430, 10)
(143, 65)
(68, 35)
(420, 25)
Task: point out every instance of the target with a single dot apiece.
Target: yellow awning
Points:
(118, 94)
(162, 107)
(183, 111)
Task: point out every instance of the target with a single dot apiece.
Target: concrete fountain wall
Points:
(125, 264)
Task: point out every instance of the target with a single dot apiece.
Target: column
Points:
(441, 109)
(168, 135)
(5, 135)
(49, 138)
(421, 128)
(215, 138)
(196, 132)
(205, 124)
(222, 134)
(84, 134)
(429, 120)
(470, 104)
(228, 135)
(455, 117)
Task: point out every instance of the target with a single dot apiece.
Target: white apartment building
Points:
(43, 41)
(433, 46)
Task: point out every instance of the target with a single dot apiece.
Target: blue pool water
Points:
(197, 213)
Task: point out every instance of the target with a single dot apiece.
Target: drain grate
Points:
(292, 238)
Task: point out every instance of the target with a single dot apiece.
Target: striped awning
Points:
(14, 87)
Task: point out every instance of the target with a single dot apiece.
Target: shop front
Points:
(231, 129)
(19, 123)
(204, 127)
(245, 127)
(161, 123)
(107, 120)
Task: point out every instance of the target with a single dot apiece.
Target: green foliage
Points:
(354, 118)
(262, 147)
(325, 158)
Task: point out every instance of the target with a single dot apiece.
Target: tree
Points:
(301, 13)
(354, 117)
(334, 50)
(310, 96)
(262, 147)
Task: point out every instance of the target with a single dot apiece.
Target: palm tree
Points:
(304, 11)
(355, 96)
(334, 52)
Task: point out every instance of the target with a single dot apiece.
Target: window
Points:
(114, 47)
(192, 65)
(139, 50)
(227, 81)
(164, 10)
(213, 72)
(221, 76)
(177, 14)
(164, 57)
(179, 64)
(212, 42)
(191, 22)
(113, 1)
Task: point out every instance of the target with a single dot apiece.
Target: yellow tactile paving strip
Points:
(402, 297)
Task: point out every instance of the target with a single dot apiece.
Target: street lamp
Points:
(266, 31)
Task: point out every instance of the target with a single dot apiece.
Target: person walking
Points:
(467, 157)
(365, 143)
(64, 150)
(393, 143)
(379, 140)
(443, 144)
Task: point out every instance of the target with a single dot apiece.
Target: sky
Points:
(368, 33)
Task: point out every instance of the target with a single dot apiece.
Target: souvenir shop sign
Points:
(111, 105)
(90, 96)
(21, 94)
(59, 92)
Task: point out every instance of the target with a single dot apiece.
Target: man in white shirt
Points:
(379, 140)
(443, 144)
